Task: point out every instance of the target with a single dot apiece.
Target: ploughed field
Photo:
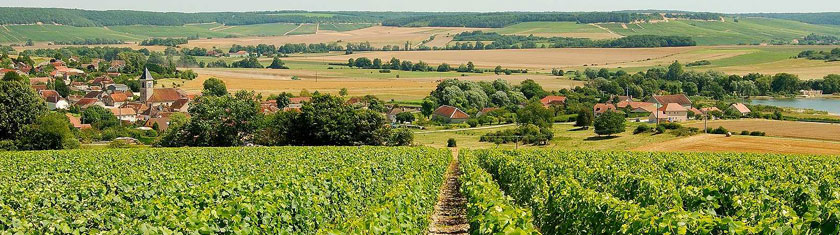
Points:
(394, 190)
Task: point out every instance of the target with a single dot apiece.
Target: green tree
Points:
(62, 88)
(675, 71)
(19, 106)
(99, 117)
(283, 100)
(401, 137)
(405, 117)
(214, 87)
(584, 117)
(785, 83)
(50, 131)
(609, 123)
(531, 89)
(13, 77)
(428, 106)
(534, 113)
(218, 121)
(277, 64)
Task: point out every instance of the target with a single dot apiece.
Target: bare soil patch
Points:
(450, 216)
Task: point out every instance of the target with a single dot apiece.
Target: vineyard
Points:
(393, 190)
(662, 193)
(285, 190)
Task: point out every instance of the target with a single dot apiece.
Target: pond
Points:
(828, 105)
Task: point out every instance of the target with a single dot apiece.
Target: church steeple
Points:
(147, 85)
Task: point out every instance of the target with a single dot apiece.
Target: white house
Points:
(125, 114)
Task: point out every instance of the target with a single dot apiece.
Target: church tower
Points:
(147, 85)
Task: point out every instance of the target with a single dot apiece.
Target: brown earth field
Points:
(378, 36)
(791, 129)
(752, 144)
(267, 81)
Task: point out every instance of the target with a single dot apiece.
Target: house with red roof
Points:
(553, 100)
(740, 108)
(451, 114)
(601, 108)
(76, 122)
(115, 99)
(662, 100)
(671, 112)
(297, 102)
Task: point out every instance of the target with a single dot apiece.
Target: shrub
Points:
(641, 129)
(472, 122)
(745, 132)
(720, 130)
(671, 125)
(757, 133)
(451, 143)
(385, 71)
(660, 129)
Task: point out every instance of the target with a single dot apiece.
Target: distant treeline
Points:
(499, 19)
(171, 42)
(832, 18)
(406, 65)
(695, 15)
(815, 39)
(500, 41)
(91, 18)
(95, 41)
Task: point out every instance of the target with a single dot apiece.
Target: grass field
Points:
(556, 29)
(753, 144)
(566, 137)
(342, 27)
(50, 33)
(746, 30)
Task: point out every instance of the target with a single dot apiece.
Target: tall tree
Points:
(19, 106)
(214, 87)
(609, 123)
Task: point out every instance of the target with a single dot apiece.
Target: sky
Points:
(720, 6)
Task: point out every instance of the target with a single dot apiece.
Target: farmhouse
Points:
(740, 108)
(671, 112)
(553, 100)
(451, 114)
(392, 114)
(297, 102)
(125, 114)
(601, 108)
(637, 107)
(239, 54)
(662, 100)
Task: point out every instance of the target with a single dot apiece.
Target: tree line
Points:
(502, 19)
(828, 56)
(171, 42)
(94, 18)
(94, 41)
(500, 41)
(406, 65)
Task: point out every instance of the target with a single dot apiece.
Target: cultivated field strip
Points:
(282, 190)
(580, 192)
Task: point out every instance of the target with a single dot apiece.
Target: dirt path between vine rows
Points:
(450, 215)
